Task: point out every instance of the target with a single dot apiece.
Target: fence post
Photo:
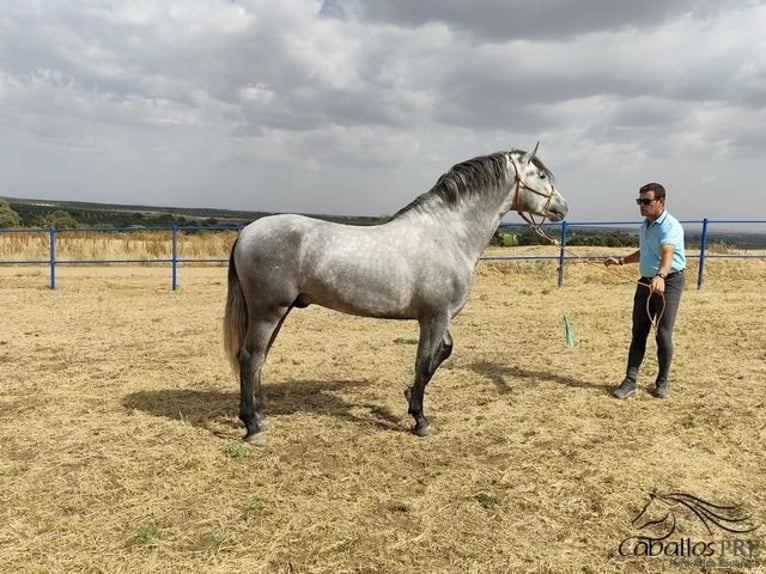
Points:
(562, 258)
(703, 247)
(52, 258)
(174, 257)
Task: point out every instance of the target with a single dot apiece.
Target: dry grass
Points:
(120, 450)
(103, 245)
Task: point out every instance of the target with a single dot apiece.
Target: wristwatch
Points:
(662, 275)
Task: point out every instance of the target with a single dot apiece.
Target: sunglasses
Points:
(641, 201)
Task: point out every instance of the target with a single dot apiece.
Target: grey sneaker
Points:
(626, 388)
(661, 389)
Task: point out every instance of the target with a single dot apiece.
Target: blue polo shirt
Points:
(666, 230)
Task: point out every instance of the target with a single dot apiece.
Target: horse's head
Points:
(655, 520)
(534, 190)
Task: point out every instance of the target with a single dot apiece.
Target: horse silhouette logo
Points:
(658, 516)
(662, 514)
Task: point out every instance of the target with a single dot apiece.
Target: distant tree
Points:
(60, 219)
(8, 217)
(527, 236)
(504, 239)
(164, 219)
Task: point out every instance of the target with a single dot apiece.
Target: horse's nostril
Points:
(556, 214)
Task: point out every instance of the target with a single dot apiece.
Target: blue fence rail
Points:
(564, 228)
(560, 230)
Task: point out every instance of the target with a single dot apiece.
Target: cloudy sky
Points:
(357, 106)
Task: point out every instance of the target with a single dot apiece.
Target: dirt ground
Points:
(121, 451)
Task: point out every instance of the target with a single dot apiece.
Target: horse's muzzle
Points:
(557, 211)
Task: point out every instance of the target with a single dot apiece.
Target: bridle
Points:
(527, 216)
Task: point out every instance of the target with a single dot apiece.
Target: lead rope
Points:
(537, 228)
(654, 320)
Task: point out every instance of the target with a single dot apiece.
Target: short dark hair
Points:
(657, 188)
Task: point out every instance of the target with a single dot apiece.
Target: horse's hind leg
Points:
(260, 336)
(434, 346)
(444, 350)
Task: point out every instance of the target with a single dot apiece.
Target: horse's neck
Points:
(479, 230)
(469, 224)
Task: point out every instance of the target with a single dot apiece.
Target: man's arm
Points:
(632, 258)
(666, 261)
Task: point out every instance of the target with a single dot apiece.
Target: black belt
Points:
(668, 276)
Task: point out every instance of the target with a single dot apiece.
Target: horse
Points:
(419, 265)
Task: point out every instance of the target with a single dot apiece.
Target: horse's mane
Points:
(726, 517)
(466, 179)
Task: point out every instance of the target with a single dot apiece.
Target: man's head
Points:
(651, 200)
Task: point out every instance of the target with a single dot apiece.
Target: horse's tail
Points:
(235, 322)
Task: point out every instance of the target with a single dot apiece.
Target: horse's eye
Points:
(542, 175)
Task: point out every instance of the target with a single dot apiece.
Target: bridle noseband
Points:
(527, 216)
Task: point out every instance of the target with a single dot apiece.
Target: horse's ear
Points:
(529, 156)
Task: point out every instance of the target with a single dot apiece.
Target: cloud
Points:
(500, 20)
(354, 106)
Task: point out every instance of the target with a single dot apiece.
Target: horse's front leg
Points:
(434, 346)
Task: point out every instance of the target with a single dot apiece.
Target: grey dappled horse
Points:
(419, 265)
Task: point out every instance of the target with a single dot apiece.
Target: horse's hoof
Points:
(423, 430)
(256, 439)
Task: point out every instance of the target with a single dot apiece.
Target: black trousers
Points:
(642, 323)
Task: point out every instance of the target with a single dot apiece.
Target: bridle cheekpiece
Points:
(520, 184)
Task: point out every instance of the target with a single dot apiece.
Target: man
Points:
(662, 261)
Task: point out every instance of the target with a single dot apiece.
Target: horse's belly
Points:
(387, 291)
(363, 299)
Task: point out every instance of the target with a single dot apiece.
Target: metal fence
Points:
(560, 230)
(705, 228)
